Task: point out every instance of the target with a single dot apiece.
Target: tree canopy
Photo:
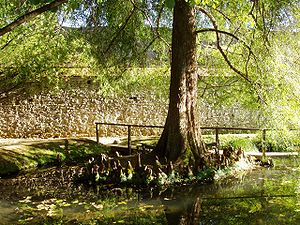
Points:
(124, 32)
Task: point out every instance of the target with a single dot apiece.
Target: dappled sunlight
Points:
(18, 156)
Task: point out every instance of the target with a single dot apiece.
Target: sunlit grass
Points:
(29, 155)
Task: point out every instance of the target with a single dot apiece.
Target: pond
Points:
(260, 196)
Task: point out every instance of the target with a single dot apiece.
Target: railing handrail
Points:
(216, 128)
(129, 125)
(205, 127)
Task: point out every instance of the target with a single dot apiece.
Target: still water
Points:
(259, 196)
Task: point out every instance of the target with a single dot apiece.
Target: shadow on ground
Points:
(25, 155)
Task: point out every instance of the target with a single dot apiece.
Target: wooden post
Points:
(129, 139)
(66, 145)
(217, 137)
(67, 152)
(97, 133)
(264, 142)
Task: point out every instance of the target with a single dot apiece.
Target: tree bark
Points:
(181, 131)
(30, 15)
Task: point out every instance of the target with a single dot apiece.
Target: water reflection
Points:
(264, 196)
(261, 196)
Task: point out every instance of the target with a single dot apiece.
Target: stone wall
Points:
(72, 112)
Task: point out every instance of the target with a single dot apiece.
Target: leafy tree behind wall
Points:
(35, 54)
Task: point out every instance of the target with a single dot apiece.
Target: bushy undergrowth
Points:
(246, 142)
(280, 141)
(46, 153)
(276, 141)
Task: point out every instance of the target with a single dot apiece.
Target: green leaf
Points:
(74, 4)
(170, 3)
(36, 2)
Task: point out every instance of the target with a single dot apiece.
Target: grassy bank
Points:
(23, 155)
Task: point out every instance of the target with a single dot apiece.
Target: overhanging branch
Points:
(6, 44)
(30, 15)
(216, 30)
(225, 57)
(119, 31)
(226, 33)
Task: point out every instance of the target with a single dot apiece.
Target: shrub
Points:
(280, 141)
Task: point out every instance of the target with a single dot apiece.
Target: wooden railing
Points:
(216, 131)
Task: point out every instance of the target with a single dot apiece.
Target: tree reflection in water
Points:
(262, 196)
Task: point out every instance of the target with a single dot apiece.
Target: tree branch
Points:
(118, 32)
(158, 25)
(254, 5)
(30, 15)
(216, 30)
(223, 14)
(6, 44)
(225, 57)
(227, 33)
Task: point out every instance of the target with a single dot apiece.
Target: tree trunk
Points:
(181, 131)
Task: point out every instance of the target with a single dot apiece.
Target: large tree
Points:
(182, 130)
(237, 26)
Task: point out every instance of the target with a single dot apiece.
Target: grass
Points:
(29, 155)
(244, 141)
(276, 141)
